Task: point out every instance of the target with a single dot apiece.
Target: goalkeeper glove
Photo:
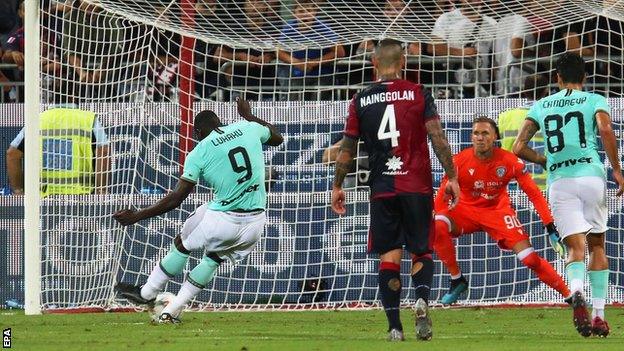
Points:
(555, 240)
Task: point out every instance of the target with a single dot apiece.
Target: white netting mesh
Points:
(127, 61)
(295, 50)
(352, 20)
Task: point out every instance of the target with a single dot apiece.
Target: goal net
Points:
(147, 67)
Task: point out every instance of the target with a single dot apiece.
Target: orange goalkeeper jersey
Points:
(483, 183)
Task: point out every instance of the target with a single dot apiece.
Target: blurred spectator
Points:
(393, 12)
(514, 52)
(92, 41)
(397, 17)
(50, 45)
(75, 150)
(53, 12)
(577, 37)
(310, 68)
(442, 6)
(207, 75)
(13, 53)
(164, 67)
(510, 122)
(50, 54)
(8, 18)
(466, 33)
(7, 89)
(272, 15)
(498, 9)
(249, 66)
(610, 47)
(14, 44)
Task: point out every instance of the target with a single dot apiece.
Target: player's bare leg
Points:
(575, 270)
(598, 272)
(390, 291)
(445, 249)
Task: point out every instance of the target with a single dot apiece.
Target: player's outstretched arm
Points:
(166, 204)
(442, 149)
(527, 184)
(609, 143)
(521, 145)
(244, 110)
(348, 149)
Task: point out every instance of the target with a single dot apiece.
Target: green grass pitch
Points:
(462, 329)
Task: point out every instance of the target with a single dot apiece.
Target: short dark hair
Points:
(571, 67)
(206, 120)
(486, 119)
(535, 87)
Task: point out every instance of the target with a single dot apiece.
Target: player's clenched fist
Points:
(125, 217)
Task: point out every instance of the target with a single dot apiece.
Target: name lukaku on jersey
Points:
(387, 96)
(225, 138)
(568, 163)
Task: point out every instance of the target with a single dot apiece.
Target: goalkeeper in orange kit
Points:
(484, 172)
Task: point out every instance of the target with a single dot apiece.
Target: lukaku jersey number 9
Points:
(568, 122)
(231, 161)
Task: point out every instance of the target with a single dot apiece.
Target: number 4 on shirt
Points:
(388, 122)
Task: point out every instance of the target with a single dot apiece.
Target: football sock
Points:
(174, 262)
(599, 281)
(167, 268)
(187, 292)
(155, 283)
(576, 275)
(445, 249)
(201, 275)
(422, 275)
(390, 291)
(544, 271)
